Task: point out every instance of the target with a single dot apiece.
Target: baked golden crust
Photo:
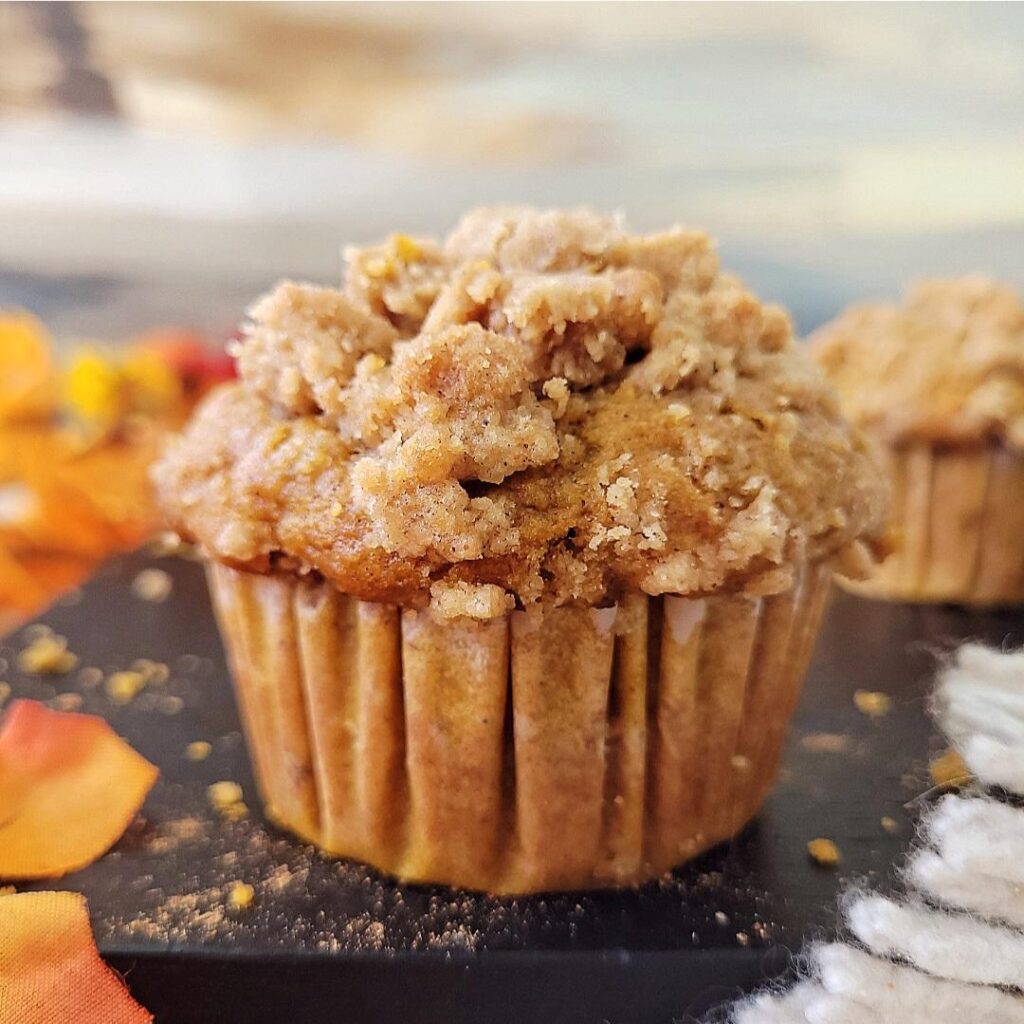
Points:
(946, 366)
(542, 408)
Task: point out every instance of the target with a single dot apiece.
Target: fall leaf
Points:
(27, 380)
(50, 969)
(69, 787)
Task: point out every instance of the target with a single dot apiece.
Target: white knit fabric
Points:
(952, 947)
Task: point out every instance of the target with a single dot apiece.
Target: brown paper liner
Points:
(564, 749)
(961, 517)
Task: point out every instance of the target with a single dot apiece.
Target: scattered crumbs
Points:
(152, 585)
(152, 671)
(198, 750)
(89, 678)
(46, 654)
(279, 879)
(168, 704)
(240, 895)
(226, 798)
(761, 930)
(948, 770)
(872, 703)
(5, 692)
(67, 702)
(124, 687)
(825, 743)
(743, 938)
(721, 918)
(889, 824)
(172, 834)
(823, 852)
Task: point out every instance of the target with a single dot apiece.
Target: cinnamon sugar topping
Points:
(541, 408)
(946, 365)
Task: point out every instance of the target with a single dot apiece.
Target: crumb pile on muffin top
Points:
(946, 366)
(541, 408)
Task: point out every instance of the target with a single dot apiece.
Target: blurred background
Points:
(164, 162)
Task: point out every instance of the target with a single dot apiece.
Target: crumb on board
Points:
(124, 687)
(872, 703)
(889, 824)
(226, 798)
(154, 671)
(825, 742)
(89, 678)
(948, 770)
(47, 654)
(823, 852)
(170, 704)
(67, 702)
(198, 750)
(152, 585)
(721, 917)
(240, 895)
(742, 938)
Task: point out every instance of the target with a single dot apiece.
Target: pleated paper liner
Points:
(961, 516)
(565, 749)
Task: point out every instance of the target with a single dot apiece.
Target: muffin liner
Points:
(961, 516)
(565, 749)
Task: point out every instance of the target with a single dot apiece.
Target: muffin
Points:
(938, 385)
(519, 543)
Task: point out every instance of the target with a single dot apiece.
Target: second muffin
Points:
(519, 545)
(938, 384)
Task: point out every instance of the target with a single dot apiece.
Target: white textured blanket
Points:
(951, 947)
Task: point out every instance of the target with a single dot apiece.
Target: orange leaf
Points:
(69, 787)
(27, 383)
(19, 589)
(50, 969)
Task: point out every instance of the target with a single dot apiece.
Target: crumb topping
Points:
(946, 365)
(542, 407)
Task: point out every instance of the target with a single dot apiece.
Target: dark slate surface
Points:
(334, 941)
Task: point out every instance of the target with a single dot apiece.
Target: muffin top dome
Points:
(542, 407)
(945, 366)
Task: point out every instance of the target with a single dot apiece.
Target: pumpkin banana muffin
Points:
(938, 383)
(519, 543)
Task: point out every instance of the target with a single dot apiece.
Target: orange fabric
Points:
(69, 787)
(50, 969)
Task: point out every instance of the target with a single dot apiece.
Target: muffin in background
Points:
(938, 384)
(519, 544)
